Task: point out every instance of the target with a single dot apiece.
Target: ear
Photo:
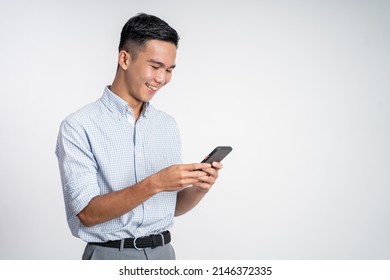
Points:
(124, 59)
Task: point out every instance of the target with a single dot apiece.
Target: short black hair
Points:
(142, 28)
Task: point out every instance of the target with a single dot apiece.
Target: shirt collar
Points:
(116, 104)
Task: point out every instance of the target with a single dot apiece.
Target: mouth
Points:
(153, 88)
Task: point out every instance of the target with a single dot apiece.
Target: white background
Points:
(300, 89)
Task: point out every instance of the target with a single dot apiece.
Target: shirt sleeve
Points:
(77, 166)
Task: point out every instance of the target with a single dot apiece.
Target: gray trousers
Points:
(95, 252)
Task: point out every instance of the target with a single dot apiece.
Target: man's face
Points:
(150, 71)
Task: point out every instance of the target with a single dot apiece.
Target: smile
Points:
(151, 87)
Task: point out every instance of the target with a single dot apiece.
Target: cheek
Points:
(148, 73)
(168, 78)
(142, 74)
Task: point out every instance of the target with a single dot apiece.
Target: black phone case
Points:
(218, 154)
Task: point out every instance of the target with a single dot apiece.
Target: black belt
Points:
(151, 241)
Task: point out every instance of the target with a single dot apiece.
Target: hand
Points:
(206, 182)
(177, 177)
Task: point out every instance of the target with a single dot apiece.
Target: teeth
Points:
(151, 87)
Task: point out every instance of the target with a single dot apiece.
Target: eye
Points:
(155, 67)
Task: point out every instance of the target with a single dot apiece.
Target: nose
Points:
(160, 77)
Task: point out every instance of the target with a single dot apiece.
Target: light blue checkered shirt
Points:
(100, 151)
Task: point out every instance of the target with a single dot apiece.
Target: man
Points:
(120, 159)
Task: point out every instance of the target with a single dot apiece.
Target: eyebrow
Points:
(160, 63)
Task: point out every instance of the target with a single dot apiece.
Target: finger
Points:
(217, 165)
(204, 187)
(213, 172)
(207, 179)
(196, 174)
(195, 166)
(187, 182)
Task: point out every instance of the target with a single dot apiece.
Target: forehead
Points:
(162, 51)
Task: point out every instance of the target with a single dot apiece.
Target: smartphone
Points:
(218, 154)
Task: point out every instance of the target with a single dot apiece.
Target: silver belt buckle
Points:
(134, 244)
